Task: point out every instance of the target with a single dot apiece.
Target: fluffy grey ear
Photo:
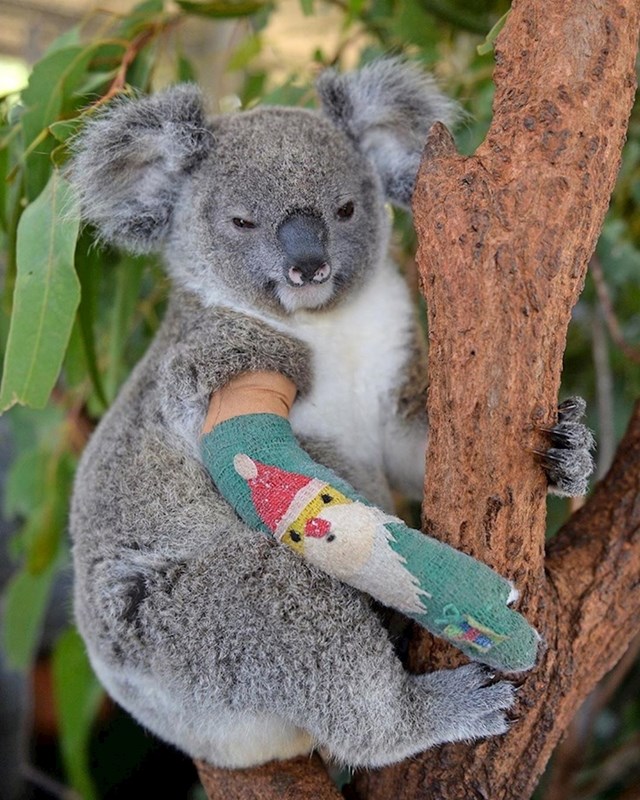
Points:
(387, 109)
(130, 161)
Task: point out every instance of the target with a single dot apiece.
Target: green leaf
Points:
(25, 604)
(65, 128)
(49, 95)
(46, 296)
(32, 429)
(95, 84)
(52, 80)
(289, 94)
(140, 72)
(307, 7)
(24, 488)
(186, 70)
(66, 39)
(128, 281)
(78, 695)
(455, 15)
(4, 186)
(44, 530)
(142, 15)
(88, 262)
(490, 40)
(250, 47)
(222, 9)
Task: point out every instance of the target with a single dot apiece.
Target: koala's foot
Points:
(472, 704)
(568, 462)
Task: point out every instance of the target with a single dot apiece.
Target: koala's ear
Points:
(130, 161)
(387, 108)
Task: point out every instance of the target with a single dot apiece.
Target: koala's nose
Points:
(303, 236)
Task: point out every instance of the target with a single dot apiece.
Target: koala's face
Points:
(285, 213)
(281, 209)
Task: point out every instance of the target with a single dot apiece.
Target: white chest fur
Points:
(358, 351)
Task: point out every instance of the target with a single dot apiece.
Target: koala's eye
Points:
(295, 537)
(326, 498)
(345, 211)
(243, 223)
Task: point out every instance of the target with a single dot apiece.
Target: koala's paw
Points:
(568, 462)
(468, 703)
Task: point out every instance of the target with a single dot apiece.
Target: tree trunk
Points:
(505, 237)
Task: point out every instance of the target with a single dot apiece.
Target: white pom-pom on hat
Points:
(245, 466)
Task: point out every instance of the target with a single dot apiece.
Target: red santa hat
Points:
(279, 496)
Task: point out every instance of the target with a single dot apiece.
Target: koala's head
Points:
(279, 208)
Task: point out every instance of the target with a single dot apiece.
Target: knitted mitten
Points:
(273, 485)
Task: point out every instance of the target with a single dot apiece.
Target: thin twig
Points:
(604, 392)
(133, 50)
(610, 318)
(47, 784)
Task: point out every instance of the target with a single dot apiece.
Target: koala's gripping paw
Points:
(465, 704)
(568, 462)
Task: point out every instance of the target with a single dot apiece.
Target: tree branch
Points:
(505, 237)
(300, 778)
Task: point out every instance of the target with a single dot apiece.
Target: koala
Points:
(273, 227)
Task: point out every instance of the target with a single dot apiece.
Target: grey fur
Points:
(217, 639)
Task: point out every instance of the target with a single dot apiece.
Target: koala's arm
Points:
(258, 466)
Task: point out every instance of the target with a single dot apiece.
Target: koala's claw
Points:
(568, 462)
(469, 698)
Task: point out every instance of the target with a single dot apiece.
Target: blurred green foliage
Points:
(76, 316)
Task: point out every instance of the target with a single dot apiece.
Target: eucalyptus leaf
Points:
(66, 39)
(221, 9)
(251, 47)
(47, 528)
(88, 262)
(49, 94)
(186, 71)
(46, 296)
(25, 604)
(490, 40)
(129, 275)
(78, 695)
(140, 72)
(65, 128)
(24, 487)
(51, 81)
(141, 15)
(95, 83)
(4, 187)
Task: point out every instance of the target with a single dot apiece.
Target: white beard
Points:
(361, 554)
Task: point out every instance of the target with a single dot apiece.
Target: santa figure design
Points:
(345, 538)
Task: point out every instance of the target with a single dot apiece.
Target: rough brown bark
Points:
(296, 779)
(505, 237)
(589, 614)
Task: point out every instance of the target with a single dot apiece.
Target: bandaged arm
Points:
(256, 463)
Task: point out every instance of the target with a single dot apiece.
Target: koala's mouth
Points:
(311, 294)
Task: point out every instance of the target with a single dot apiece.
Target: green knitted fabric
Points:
(274, 486)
